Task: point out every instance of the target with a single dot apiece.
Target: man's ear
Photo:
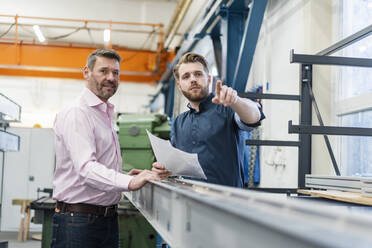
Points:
(86, 72)
(178, 84)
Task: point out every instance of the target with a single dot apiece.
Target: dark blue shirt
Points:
(213, 133)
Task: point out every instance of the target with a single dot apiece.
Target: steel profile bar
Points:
(250, 142)
(344, 183)
(270, 96)
(232, 27)
(365, 32)
(304, 151)
(248, 44)
(329, 60)
(194, 214)
(330, 130)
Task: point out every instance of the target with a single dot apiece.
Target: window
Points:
(356, 87)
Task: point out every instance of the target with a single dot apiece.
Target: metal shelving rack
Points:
(220, 22)
(307, 99)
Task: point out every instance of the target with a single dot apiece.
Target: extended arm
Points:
(246, 109)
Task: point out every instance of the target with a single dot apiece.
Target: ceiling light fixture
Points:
(106, 35)
(38, 33)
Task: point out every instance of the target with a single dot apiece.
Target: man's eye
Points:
(115, 73)
(198, 74)
(104, 71)
(186, 76)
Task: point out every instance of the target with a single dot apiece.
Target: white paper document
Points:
(180, 163)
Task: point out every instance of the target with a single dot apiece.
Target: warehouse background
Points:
(307, 26)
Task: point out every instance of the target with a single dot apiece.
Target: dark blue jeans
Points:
(82, 230)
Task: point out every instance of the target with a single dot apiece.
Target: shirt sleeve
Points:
(78, 137)
(248, 127)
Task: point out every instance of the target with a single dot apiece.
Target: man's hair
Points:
(107, 53)
(190, 58)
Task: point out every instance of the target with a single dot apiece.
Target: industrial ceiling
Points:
(145, 31)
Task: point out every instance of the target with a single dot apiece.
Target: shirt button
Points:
(194, 142)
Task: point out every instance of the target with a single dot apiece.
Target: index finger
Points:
(218, 88)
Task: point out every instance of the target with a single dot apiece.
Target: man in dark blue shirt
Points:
(211, 127)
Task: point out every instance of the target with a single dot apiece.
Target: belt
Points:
(107, 211)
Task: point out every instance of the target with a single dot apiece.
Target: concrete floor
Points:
(11, 237)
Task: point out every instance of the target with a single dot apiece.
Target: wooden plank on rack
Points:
(352, 197)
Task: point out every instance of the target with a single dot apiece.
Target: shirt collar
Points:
(93, 101)
(203, 104)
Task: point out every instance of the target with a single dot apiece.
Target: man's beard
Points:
(196, 97)
(106, 94)
(99, 89)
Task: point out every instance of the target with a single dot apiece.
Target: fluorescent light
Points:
(38, 33)
(369, 5)
(106, 35)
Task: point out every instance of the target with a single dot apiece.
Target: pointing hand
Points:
(224, 95)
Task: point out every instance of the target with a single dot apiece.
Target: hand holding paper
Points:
(180, 163)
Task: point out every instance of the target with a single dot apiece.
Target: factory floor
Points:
(11, 237)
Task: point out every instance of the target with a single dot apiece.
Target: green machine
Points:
(134, 143)
(134, 230)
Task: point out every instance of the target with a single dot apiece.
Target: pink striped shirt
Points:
(88, 157)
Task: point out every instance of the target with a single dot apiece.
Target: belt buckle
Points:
(106, 211)
(113, 208)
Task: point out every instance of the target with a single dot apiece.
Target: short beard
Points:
(196, 97)
(108, 94)
(99, 89)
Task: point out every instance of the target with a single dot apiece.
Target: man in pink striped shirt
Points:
(88, 180)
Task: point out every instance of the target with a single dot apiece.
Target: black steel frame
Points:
(307, 100)
(330, 130)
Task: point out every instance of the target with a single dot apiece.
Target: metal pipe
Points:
(365, 32)
(90, 28)
(110, 42)
(178, 23)
(16, 38)
(160, 43)
(173, 18)
(71, 44)
(208, 22)
(81, 20)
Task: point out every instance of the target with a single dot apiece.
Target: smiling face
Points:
(103, 78)
(193, 81)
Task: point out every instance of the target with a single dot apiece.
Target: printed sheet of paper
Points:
(180, 163)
